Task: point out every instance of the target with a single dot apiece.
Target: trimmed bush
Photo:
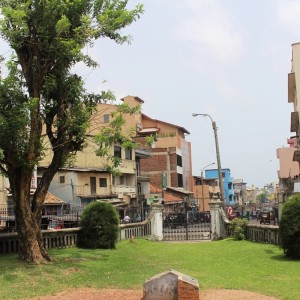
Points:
(289, 227)
(237, 228)
(99, 226)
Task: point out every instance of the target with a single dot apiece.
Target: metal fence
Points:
(67, 219)
(187, 226)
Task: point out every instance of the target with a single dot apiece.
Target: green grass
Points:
(226, 264)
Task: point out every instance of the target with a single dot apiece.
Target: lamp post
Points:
(202, 183)
(214, 126)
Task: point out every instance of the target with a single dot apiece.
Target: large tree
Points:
(41, 100)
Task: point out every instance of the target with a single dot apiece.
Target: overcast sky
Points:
(226, 58)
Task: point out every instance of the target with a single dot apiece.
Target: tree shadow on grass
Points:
(283, 258)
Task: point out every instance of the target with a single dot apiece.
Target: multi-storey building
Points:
(204, 190)
(240, 195)
(170, 163)
(288, 169)
(88, 179)
(227, 183)
(289, 180)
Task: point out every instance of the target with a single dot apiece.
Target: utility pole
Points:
(215, 129)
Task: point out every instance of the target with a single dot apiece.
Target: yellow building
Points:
(87, 179)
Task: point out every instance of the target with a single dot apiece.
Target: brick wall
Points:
(174, 180)
(157, 162)
(187, 291)
(155, 179)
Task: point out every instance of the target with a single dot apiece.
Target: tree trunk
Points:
(31, 248)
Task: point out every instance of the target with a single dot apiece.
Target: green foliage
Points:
(237, 228)
(150, 140)
(99, 226)
(43, 105)
(289, 227)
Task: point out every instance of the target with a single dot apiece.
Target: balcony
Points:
(124, 190)
(291, 87)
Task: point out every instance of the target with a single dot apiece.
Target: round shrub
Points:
(289, 227)
(99, 226)
(237, 228)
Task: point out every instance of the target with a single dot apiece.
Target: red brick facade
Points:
(187, 291)
(162, 160)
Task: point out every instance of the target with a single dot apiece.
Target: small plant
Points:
(99, 226)
(289, 227)
(237, 228)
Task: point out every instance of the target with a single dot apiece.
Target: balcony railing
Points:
(123, 189)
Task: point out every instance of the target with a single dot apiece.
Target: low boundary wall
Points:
(64, 238)
(263, 234)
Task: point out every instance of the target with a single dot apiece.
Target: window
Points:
(180, 180)
(105, 118)
(139, 188)
(61, 179)
(128, 154)
(103, 182)
(122, 180)
(93, 185)
(117, 151)
(119, 180)
(179, 161)
(230, 185)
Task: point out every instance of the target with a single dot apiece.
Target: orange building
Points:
(170, 164)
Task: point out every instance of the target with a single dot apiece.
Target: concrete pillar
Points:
(157, 222)
(217, 222)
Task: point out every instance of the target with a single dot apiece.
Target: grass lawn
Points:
(226, 264)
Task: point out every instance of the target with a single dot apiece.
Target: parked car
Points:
(266, 217)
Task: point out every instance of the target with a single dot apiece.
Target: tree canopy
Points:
(41, 97)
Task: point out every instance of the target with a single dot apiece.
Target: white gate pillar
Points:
(217, 222)
(157, 222)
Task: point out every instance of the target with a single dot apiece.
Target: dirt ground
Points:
(107, 294)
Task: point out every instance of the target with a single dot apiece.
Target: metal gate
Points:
(186, 226)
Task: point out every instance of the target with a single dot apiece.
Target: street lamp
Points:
(202, 183)
(214, 126)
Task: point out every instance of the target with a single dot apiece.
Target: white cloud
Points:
(211, 29)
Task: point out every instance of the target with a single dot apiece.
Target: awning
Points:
(149, 130)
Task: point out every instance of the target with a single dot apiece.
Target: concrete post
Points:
(217, 222)
(157, 222)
